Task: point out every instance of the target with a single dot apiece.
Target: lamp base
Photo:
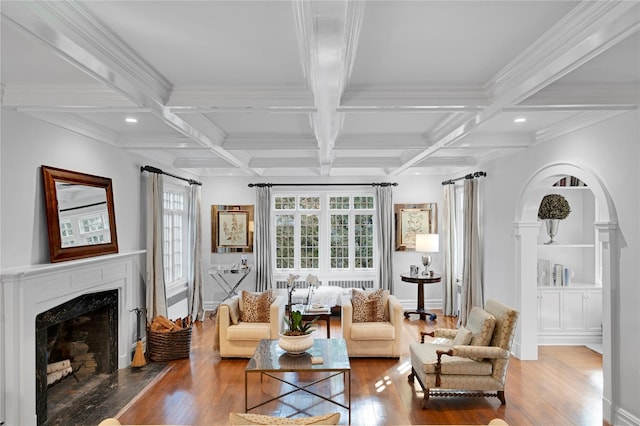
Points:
(426, 261)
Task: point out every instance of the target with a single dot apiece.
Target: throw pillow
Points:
(262, 419)
(368, 307)
(481, 324)
(463, 337)
(256, 306)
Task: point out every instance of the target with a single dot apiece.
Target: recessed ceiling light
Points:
(519, 120)
(131, 120)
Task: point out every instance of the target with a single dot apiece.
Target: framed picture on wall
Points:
(232, 229)
(412, 219)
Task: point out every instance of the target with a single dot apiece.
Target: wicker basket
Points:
(168, 345)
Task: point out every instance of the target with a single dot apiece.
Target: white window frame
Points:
(175, 284)
(324, 270)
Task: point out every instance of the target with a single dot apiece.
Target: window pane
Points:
(285, 203)
(309, 203)
(339, 241)
(336, 203)
(309, 241)
(285, 244)
(363, 231)
(363, 202)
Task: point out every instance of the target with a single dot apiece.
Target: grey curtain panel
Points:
(449, 239)
(384, 223)
(264, 273)
(196, 308)
(155, 289)
(472, 288)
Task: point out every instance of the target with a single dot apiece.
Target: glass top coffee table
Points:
(270, 360)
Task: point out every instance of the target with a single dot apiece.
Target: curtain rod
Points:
(469, 176)
(152, 169)
(262, 185)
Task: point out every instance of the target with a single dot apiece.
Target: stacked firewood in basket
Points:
(163, 324)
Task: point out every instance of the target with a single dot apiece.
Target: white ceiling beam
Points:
(380, 141)
(416, 97)
(361, 162)
(328, 35)
(269, 142)
(195, 163)
(589, 29)
(289, 162)
(268, 97)
(433, 161)
(593, 96)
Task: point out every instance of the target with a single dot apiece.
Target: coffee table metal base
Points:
(336, 363)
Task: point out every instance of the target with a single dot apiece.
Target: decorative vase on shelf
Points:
(552, 229)
(553, 208)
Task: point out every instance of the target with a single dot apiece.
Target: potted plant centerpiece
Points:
(296, 339)
(553, 208)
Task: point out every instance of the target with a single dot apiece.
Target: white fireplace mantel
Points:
(30, 290)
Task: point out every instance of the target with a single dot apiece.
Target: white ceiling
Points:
(320, 88)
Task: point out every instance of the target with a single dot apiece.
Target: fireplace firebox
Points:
(82, 331)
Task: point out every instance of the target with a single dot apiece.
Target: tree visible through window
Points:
(324, 233)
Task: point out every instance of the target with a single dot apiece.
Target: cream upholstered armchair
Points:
(372, 324)
(469, 361)
(243, 322)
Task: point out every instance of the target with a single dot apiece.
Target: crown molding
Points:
(432, 161)
(585, 96)
(194, 163)
(258, 97)
(76, 124)
(572, 124)
(59, 95)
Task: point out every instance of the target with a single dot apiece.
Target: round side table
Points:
(421, 280)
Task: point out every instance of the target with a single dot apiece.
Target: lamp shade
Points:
(427, 243)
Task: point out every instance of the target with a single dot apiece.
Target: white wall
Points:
(27, 144)
(611, 151)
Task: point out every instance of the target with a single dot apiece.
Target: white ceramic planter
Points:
(295, 345)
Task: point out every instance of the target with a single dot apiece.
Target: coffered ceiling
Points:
(320, 88)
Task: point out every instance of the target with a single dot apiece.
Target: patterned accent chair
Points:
(475, 369)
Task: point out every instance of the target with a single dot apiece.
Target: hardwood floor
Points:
(564, 387)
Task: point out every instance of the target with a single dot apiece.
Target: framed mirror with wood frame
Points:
(80, 214)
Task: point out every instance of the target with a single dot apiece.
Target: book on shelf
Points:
(561, 275)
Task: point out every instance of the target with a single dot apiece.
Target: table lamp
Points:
(427, 243)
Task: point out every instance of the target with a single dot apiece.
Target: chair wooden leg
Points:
(501, 397)
(425, 400)
(411, 376)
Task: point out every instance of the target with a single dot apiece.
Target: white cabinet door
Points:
(549, 310)
(574, 310)
(593, 310)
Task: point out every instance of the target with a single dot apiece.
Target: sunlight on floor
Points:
(404, 367)
(383, 383)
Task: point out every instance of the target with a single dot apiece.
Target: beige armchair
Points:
(475, 369)
(240, 340)
(373, 339)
